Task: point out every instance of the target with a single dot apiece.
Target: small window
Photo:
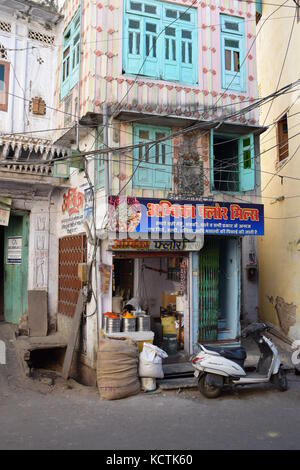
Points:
(282, 138)
(232, 163)
(4, 85)
(232, 50)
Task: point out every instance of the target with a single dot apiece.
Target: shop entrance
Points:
(219, 289)
(156, 283)
(14, 268)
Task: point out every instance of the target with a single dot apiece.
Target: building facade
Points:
(158, 98)
(278, 250)
(27, 183)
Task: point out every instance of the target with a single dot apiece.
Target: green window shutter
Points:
(246, 163)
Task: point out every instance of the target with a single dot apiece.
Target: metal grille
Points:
(44, 38)
(5, 26)
(209, 290)
(72, 251)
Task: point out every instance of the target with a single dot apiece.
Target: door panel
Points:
(209, 290)
(16, 272)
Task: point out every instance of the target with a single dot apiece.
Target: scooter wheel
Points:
(208, 390)
(280, 380)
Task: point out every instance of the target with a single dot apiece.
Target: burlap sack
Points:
(117, 368)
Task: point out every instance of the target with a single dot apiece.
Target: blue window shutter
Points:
(232, 53)
(162, 170)
(152, 163)
(165, 56)
(187, 55)
(246, 163)
(152, 47)
(70, 57)
(211, 159)
(171, 53)
(142, 177)
(259, 7)
(133, 44)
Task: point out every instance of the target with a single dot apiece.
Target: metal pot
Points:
(129, 325)
(143, 323)
(113, 325)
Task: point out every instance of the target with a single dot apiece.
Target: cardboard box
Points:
(167, 299)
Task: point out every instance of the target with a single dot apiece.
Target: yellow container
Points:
(168, 325)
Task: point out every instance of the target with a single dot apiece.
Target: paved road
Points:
(41, 417)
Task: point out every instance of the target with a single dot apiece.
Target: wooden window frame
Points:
(68, 82)
(159, 67)
(238, 36)
(280, 159)
(4, 104)
(144, 176)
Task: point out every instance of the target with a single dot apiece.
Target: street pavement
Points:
(36, 415)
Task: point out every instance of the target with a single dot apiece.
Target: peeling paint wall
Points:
(279, 249)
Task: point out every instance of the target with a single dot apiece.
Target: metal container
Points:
(170, 344)
(105, 318)
(113, 325)
(129, 325)
(143, 323)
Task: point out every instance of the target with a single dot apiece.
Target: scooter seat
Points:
(237, 354)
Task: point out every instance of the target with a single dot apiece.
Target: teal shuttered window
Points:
(152, 162)
(156, 47)
(232, 53)
(232, 163)
(70, 56)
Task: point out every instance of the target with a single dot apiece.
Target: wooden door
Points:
(16, 268)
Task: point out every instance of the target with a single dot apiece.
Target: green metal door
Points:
(209, 290)
(16, 267)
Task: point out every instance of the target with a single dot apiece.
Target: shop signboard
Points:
(161, 216)
(14, 250)
(154, 245)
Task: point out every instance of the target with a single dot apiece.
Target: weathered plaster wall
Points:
(279, 254)
(31, 67)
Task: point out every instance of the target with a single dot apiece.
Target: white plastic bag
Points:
(151, 362)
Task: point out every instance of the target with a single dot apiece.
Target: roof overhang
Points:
(41, 11)
(184, 122)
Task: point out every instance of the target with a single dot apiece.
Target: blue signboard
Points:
(161, 216)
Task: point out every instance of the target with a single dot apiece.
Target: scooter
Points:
(217, 367)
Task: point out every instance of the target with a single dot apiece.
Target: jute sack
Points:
(117, 368)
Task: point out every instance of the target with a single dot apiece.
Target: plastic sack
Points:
(150, 365)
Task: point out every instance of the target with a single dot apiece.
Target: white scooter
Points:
(217, 367)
